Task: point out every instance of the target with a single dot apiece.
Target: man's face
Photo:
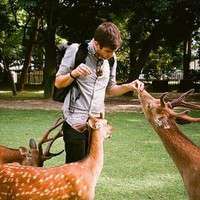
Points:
(103, 52)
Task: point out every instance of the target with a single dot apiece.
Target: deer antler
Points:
(47, 154)
(180, 101)
(45, 139)
(162, 99)
(183, 117)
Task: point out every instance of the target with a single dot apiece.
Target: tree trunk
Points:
(28, 53)
(10, 77)
(186, 58)
(50, 64)
(134, 70)
(138, 62)
(50, 49)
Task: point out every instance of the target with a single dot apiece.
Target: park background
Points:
(161, 46)
(161, 40)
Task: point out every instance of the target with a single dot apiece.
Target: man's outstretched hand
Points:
(136, 85)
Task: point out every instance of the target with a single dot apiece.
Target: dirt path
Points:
(110, 105)
(116, 104)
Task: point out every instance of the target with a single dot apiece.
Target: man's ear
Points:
(97, 45)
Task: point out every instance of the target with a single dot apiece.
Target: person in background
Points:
(94, 80)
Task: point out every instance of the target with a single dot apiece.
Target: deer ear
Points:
(23, 151)
(102, 115)
(92, 122)
(109, 130)
(162, 99)
(32, 144)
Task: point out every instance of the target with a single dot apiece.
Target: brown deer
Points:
(185, 154)
(34, 156)
(70, 181)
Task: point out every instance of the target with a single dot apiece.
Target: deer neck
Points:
(95, 157)
(12, 155)
(182, 150)
(179, 147)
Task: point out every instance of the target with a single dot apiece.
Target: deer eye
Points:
(162, 122)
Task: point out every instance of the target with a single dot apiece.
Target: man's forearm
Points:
(63, 80)
(118, 90)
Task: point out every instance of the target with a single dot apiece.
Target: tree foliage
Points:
(153, 31)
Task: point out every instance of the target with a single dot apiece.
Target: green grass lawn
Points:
(136, 166)
(23, 95)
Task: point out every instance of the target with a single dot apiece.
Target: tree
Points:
(155, 21)
(10, 48)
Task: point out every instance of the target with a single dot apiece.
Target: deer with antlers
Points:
(34, 156)
(185, 154)
(70, 181)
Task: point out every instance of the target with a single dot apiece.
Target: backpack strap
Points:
(60, 52)
(81, 54)
(111, 62)
(80, 57)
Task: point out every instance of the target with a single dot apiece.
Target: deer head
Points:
(161, 111)
(99, 123)
(34, 155)
(185, 154)
(31, 155)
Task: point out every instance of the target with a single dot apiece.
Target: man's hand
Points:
(136, 85)
(81, 71)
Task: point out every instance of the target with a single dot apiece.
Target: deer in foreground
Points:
(185, 154)
(70, 181)
(34, 156)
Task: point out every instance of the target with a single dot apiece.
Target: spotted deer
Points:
(34, 155)
(185, 154)
(70, 181)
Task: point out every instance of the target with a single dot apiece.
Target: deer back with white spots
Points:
(70, 181)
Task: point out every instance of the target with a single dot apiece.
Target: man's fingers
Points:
(141, 86)
(138, 85)
(85, 67)
(83, 70)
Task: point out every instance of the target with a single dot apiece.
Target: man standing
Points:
(94, 79)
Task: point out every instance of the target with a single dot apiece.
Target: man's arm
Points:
(118, 90)
(66, 79)
(62, 81)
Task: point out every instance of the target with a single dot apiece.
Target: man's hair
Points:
(108, 35)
